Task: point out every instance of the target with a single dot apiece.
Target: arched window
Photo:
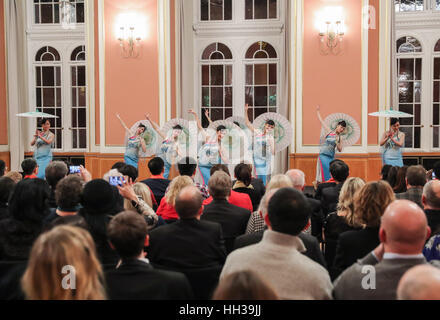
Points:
(215, 10)
(48, 88)
(409, 69)
(261, 9)
(409, 5)
(58, 11)
(436, 96)
(261, 79)
(79, 98)
(217, 95)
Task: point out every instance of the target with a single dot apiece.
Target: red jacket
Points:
(241, 200)
(167, 211)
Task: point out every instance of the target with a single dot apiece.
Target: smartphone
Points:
(74, 169)
(116, 181)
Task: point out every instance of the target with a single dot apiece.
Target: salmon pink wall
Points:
(173, 57)
(3, 103)
(131, 85)
(97, 105)
(373, 76)
(332, 81)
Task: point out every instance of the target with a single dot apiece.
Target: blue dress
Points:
(131, 156)
(209, 156)
(43, 154)
(326, 155)
(262, 157)
(168, 152)
(392, 153)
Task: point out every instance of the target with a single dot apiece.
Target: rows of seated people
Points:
(233, 239)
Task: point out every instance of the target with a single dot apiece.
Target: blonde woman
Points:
(342, 220)
(144, 204)
(369, 203)
(166, 208)
(256, 222)
(57, 254)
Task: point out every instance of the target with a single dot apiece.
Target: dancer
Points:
(43, 141)
(169, 150)
(329, 144)
(263, 147)
(212, 153)
(135, 142)
(199, 123)
(392, 143)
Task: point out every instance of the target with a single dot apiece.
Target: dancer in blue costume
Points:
(263, 147)
(392, 143)
(212, 153)
(169, 150)
(43, 153)
(329, 143)
(135, 142)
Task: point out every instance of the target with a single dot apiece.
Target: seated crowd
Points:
(233, 239)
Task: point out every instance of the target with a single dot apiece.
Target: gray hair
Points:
(264, 203)
(220, 185)
(431, 197)
(298, 177)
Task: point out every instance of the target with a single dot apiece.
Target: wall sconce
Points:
(331, 29)
(129, 43)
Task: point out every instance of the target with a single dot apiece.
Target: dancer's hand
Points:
(147, 116)
(246, 107)
(207, 113)
(191, 111)
(318, 108)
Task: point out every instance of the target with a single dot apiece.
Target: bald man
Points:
(188, 243)
(420, 283)
(403, 232)
(298, 179)
(431, 204)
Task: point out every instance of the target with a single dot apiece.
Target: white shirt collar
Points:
(391, 256)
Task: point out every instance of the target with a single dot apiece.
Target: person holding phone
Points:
(43, 141)
(392, 143)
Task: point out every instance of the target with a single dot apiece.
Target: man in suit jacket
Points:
(277, 258)
(431, 204)
(312, 249)
(188, 243)
(335, 166)
(415, 181)
(233, 219)
(134, 278)
(403, 232)
(330, 196)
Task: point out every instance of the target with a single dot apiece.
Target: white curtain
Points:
(15, 13)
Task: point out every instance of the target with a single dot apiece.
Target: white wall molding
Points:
(164, 61)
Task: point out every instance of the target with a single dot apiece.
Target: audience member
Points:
(73, 221)
(30, 168)
(330, 196)
(143, 192)
(189, 243)
(188, 167)
(256, 183)
(130, 172)
(99, 203)
(392, 176)
(384, 172)
(436, 170)
(256, 222)
(244, 285)
(332, 182)
(233, 219)
(135, 278)
(55, 171)
(27, 209)
(167, 209)
(2, 168)
(237, 199)
(298, 179)
(342, 220)
(400, 186)
(415, 181)
(421, 282)
(243, 174)
(6, 189)
(313, 251)
(403, 232)
(277, 258)
(369, 205)
(118, 165)
(157, 183)
(431, 205)
(62, 252)
(14, 175)
(68, 198)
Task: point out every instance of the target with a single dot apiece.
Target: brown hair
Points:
(220, 185)
(371, 201)
(51, 253)
(244, 285)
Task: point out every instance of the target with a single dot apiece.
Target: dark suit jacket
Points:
(330, 199)
(187, 244)
(253, 194)
(322, 186)
(257, 184)
(433, 217)
(233, 219)
(413, 194)
(138, 280)
(388, 273)
(310, 242)
(317, 217)
(353, 245)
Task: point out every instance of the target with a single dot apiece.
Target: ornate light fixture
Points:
(129, 43)
(331, 30)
